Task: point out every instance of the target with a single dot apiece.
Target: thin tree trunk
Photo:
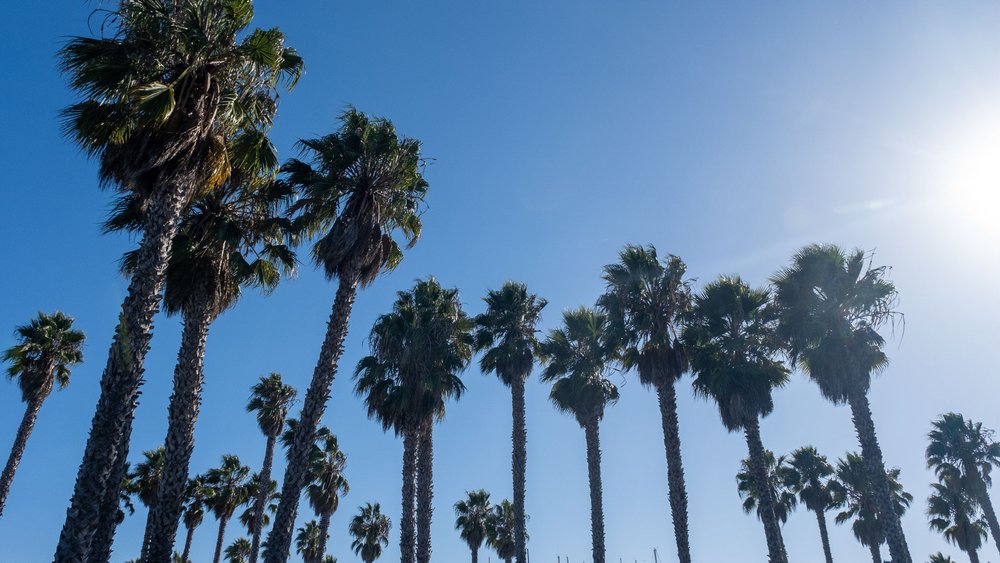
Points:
(983, 498)
(519, 461)
(182, 414)
(220, 539)
(824, 536)
(475, 554)
(146, 534)
(871, 453)
(17, 450)
(280, 539)
(324, 527)
(973, 556)
(667, 395)
(185, 557)
(122, 376)
(596, 490)
(407, 538)
(104, 536)
(261, 502)
(876, 555)
(772, 531)
(425, 492)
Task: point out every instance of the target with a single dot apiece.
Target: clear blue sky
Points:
(727, 133)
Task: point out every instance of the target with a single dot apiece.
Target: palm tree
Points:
(196, 496)
(965, 446)
(954, 513)
(270, 398)
(808, 475)
(326, 482)
(370, 530)
(249, 516)
(854, 494)
(832, 305)
(362, 185)
(578, 357)
(505, 334)
(645, 302)
(418, 350)
(746, 486)
(238, 551)
(146, 484)
(46, 349)
(500, 528)
(471, 515)
(940, 558)
(193, 94)
(309, 542)
(730, 335)
(230, 489)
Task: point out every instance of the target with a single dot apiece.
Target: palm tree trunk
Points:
(182, 414)
(667, 395)
(983, 498)
(871, 453)
(973, 556)
(324, 527)
(475, 555)
(876, 555)
(185, 557)
(519, 460)
(122, 376)
(260, 504)
(17, 450)
(146, 534)
(280, 539)
(407, 543)
(219, 540)
(772, 531)
(104, 536)
(425, 492)
(592, 434)
(824, 536)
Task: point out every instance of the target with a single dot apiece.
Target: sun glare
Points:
(970, 186)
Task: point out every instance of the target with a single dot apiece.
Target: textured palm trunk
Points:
(983, 498)
(188, 538)
(17, 450)
(182, 414)
(407, 537)
(519, 461)
(772, 530)
(260, 503)
(147, 532)
(280, 539)
(876, 554)
(219, 540)
(871, 453)
(973, 556)
(824, 536)
(475, 554)
(425, 492)
(324, 528)
(104, 536)
(592, 434)
(122, 377)
(667, 395)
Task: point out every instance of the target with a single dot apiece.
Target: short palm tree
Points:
(270, 399)
(309, 542)
(360, 185)
(238, 551)
(230, 489)
(370, 530)
(646, 300)
(965, 446)
(746, 486)
(808, 475)
(326, 481)
(940, 558)
(471, 515)
(730, 336)
(196, 496)
(46, 349)
(146, 484)
(954, 513)
(578, 357)
(506, 335)
(854, 495)
(500, 530)
(193, 94)
(832, 304)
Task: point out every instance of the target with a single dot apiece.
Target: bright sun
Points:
(970, 195)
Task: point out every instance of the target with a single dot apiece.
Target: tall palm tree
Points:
(506, 335)
(578, 357)
(309, 542)
(953, 513)
(500, 528)
(854, 495)
(645, 302)
(832, 304)
(193, 94)
(730, 335)
(471, 515)
(370, 530)
(46, 349)
(146, 481)
(326, 482)
(746, 486)
(965, 446)
(270, 398)
(238, 551)
(808, 475)
(249, 516)
(230, 489)
(196, 496)
(360, 186)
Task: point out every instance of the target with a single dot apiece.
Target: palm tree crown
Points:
(963, 444)
(147, 475)
(747, 488)
(309, 542)
(953, 513)
(370, 532)
(471, 514)
(270, 399)
(506, 332)
(47, 347)
(807, 474)
(327, 482)
(238, 551)
(500, 530)
(853, 495)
